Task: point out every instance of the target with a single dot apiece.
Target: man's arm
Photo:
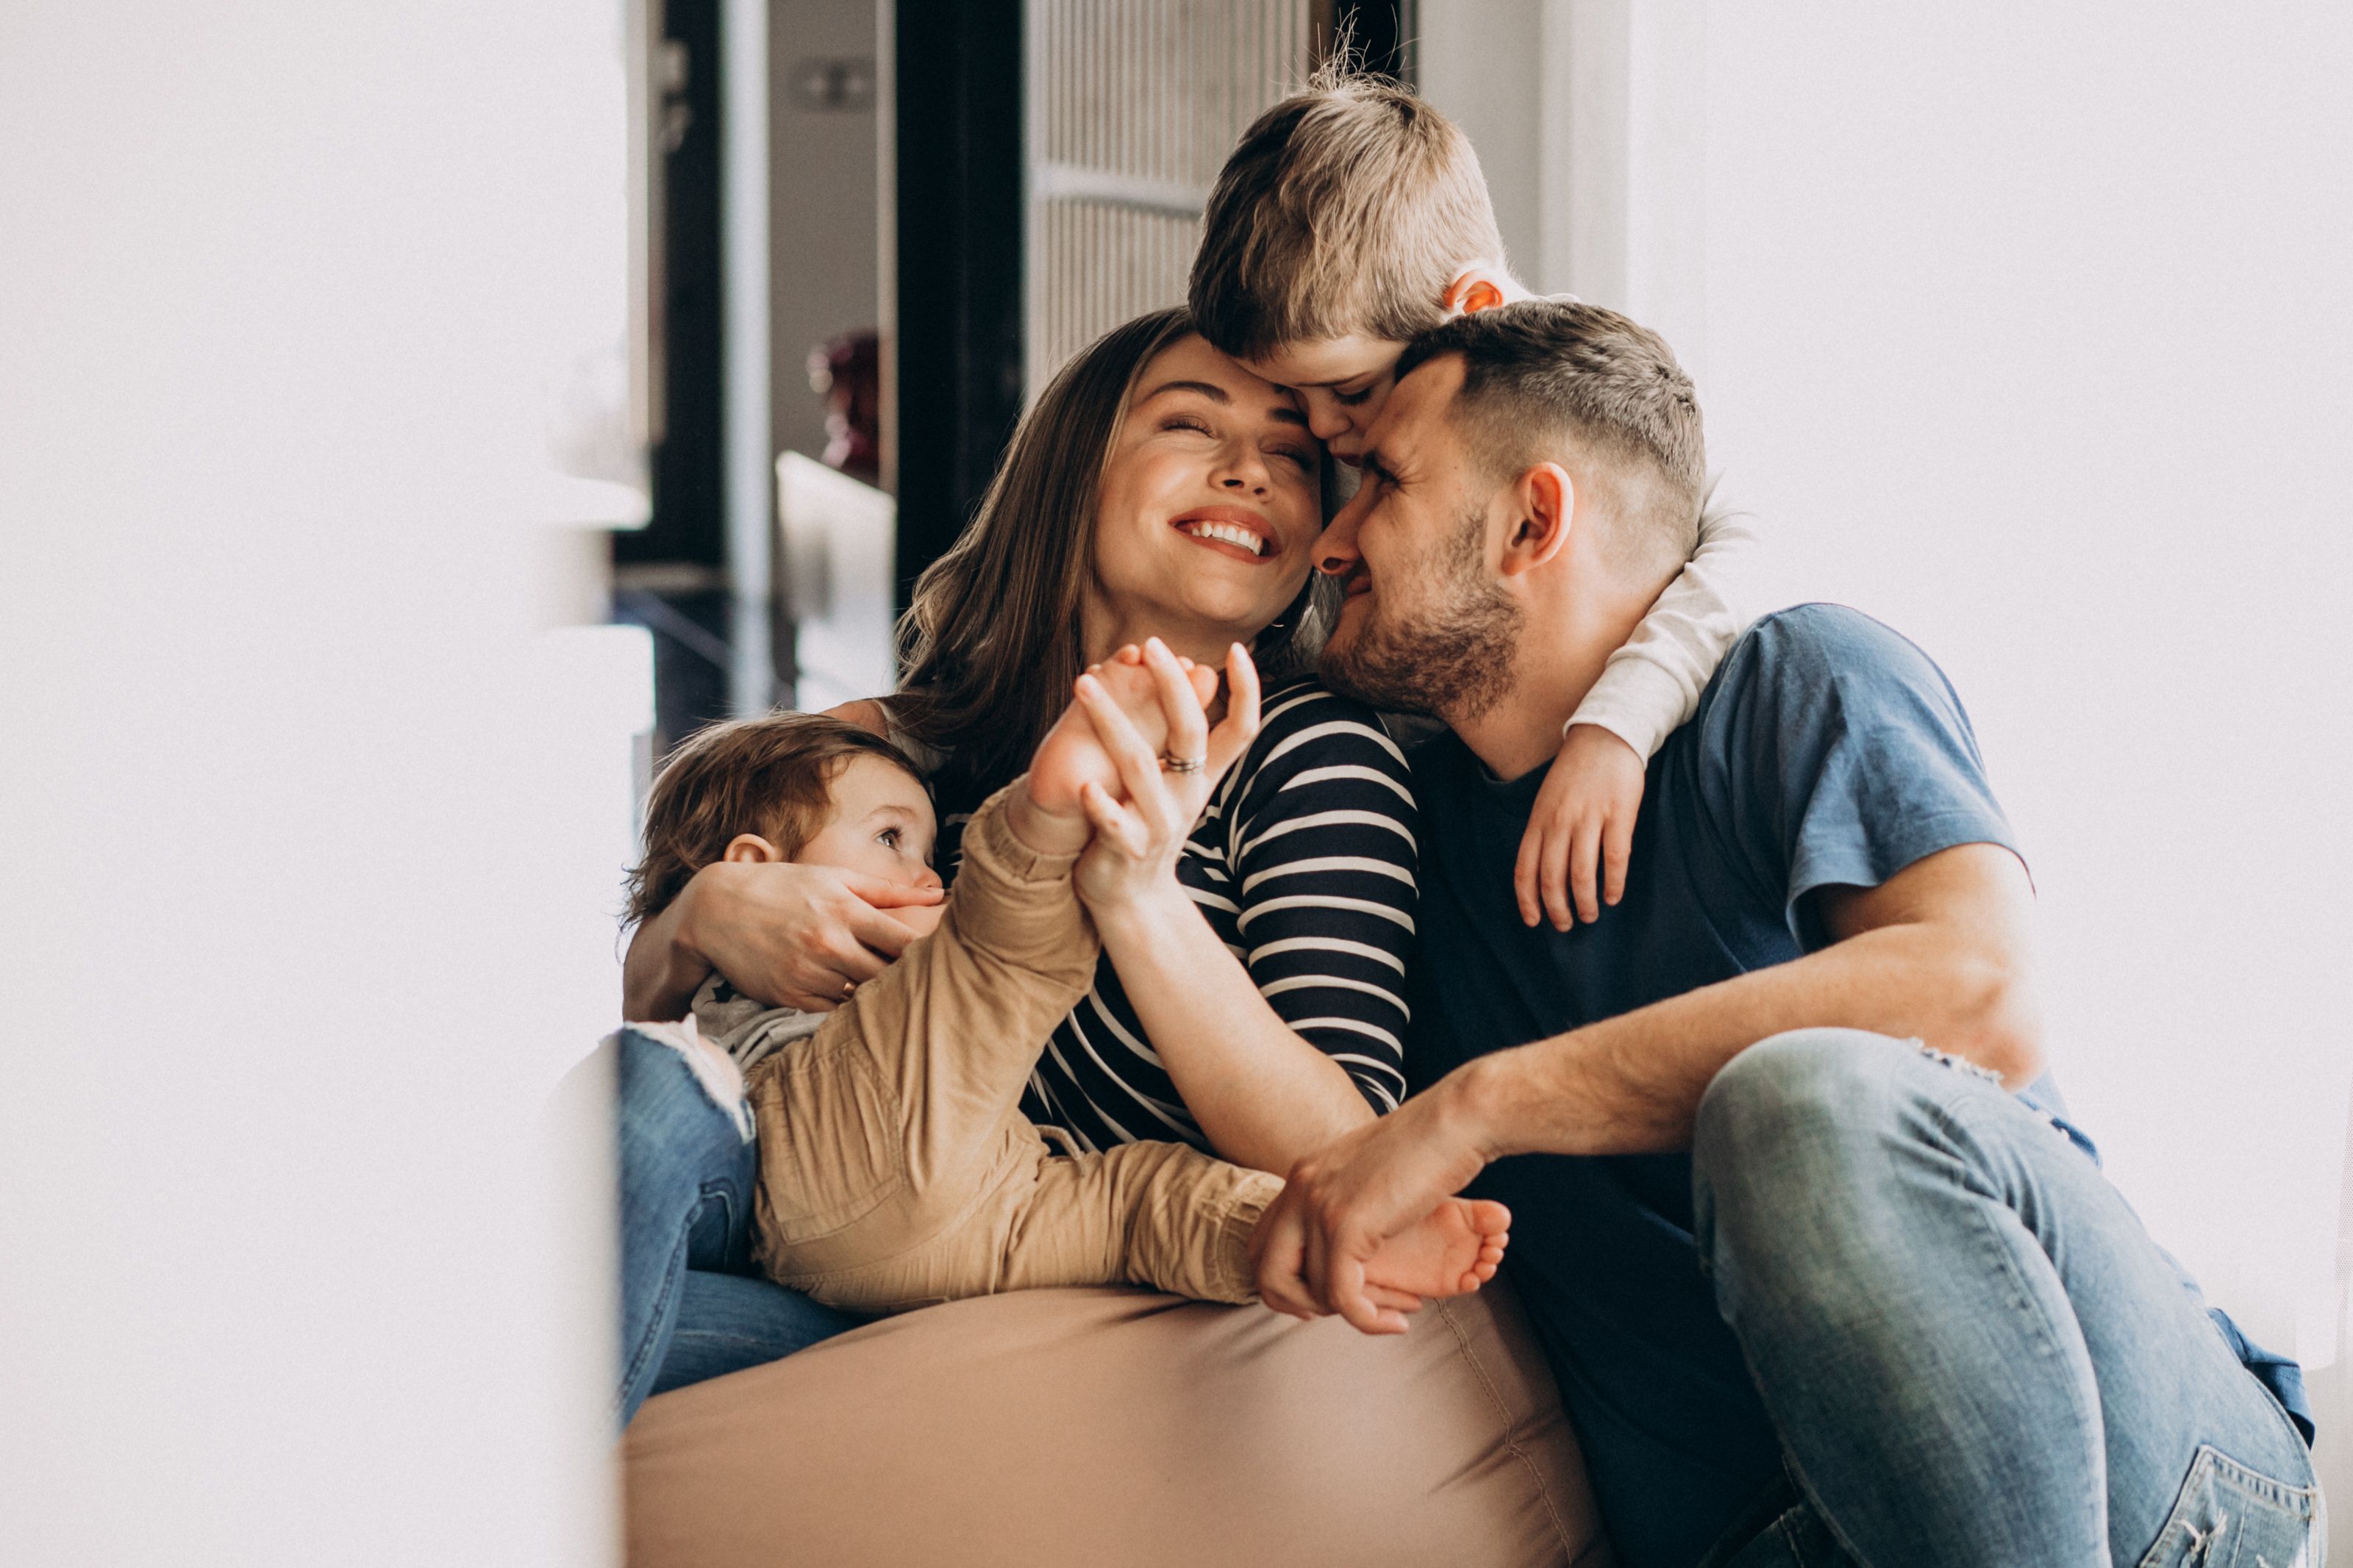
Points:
(1940, 952)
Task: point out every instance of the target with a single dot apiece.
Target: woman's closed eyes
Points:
(1291, 450)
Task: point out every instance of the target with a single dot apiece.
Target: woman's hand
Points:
(1581, 831)
(1141, 831)
(798, 936)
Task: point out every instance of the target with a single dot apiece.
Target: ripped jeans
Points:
(693, 1304)
(1973, 1352)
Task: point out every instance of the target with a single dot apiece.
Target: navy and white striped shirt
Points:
(1304, 864)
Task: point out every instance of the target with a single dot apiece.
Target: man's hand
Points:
(797, 936)
(1342, 1201)
(1581, 831)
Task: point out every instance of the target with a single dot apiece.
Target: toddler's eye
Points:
(1354, 399)
(889, 837)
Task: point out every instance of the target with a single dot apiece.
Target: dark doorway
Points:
(959, 215)
(670, 577)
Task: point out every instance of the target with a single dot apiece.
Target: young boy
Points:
(1351, 217)
(895, 1170)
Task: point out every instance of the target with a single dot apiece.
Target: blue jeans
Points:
(1972, 1351)
(693, 1304)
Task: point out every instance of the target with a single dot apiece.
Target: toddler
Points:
(895, 1169)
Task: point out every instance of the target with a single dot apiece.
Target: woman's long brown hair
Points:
(990, 642)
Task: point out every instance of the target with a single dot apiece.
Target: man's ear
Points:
(1479, 288)
(1544, 506)
(752, 847)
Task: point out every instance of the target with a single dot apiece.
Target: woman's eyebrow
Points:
(1281, 413)
(1210, 390)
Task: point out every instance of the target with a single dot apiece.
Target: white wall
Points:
(1481, 61)
(290, 944)
(2026, 328)
(2028, 333)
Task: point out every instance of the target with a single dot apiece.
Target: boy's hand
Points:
(1141, 714)
(1581, 832)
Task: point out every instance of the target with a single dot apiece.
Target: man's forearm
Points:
(1632, 1084)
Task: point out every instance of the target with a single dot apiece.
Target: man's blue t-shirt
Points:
(1827, 752)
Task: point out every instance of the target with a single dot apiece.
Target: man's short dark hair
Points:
(1546, 378)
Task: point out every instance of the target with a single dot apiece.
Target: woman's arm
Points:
(1295, 1039)
(1263, 1097)
(796, 936)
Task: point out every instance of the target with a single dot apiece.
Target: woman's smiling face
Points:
(1211, 503)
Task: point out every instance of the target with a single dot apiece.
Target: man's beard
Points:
(1451, 660)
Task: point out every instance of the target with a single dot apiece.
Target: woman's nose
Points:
(1244, 468)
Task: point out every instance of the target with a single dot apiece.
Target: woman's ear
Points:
(753, 848)
(1545, 500)
(1477, 289)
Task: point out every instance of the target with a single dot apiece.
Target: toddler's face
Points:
(1341, 383)
(881, 827)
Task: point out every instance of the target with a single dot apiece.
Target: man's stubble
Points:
(1450, 658)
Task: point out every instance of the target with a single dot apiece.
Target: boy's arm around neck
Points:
(1652, 686)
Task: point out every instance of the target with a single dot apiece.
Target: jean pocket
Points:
(2228, 1516)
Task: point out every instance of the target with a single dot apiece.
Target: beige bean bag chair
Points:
(1115, 1427)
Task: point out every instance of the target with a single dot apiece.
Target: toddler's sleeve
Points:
(1652, 686)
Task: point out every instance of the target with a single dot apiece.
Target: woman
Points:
(1157, 489)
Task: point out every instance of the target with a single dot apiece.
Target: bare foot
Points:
(1451, 1252)
(1070, 754)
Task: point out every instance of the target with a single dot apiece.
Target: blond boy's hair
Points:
(1347, 209)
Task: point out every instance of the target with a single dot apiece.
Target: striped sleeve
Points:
(1321, 840)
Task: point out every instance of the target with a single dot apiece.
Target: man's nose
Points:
(1335, 549)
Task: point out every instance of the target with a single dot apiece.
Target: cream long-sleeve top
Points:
(1651, 687)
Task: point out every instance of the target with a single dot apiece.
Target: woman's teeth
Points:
(1227, 534)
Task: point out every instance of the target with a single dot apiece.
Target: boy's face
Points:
(1340, 381)
(882, 826)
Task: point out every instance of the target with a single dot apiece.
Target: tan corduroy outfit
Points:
(895, 1168)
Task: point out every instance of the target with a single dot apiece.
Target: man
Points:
(1817, 1285)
